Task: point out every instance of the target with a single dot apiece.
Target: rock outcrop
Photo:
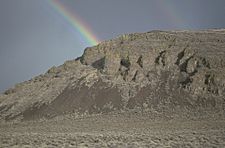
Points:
(159, 71)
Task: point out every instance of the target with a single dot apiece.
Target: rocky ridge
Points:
(159, 71)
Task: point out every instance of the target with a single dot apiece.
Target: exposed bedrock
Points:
(160, 71)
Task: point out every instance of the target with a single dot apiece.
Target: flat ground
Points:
(115, 131)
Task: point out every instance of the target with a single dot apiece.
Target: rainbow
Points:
(170, 11)
(75, 21)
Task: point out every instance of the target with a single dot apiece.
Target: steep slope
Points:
(159, 71)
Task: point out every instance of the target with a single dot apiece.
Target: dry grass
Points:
(114, 131)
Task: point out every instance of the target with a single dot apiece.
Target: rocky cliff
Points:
(169, 72)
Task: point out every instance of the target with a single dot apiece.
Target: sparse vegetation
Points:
(154, 89)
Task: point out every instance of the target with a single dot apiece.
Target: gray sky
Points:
(35, 37)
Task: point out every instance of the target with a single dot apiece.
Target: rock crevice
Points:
(160, 71)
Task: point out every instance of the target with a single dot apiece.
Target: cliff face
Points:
(160, 71)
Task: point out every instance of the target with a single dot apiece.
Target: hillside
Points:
(173, 73)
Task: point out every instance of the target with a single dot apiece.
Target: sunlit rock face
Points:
(159, 71)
